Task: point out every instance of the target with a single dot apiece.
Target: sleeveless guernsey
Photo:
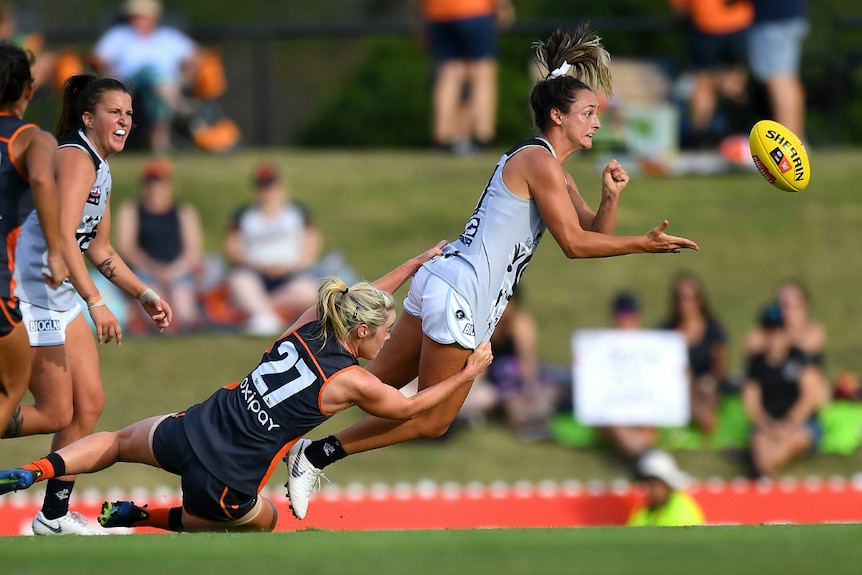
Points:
(487, 260)
(32, 250)
(16, 199)
(242, 431)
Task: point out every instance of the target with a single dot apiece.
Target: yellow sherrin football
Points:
(780, 156)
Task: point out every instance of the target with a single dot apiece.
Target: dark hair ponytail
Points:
(574, 62)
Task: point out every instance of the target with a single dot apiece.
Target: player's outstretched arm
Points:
(363, 389)
(396, 278)
(388, 283)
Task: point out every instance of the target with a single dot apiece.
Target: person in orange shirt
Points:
(462, 38)
(717, 54)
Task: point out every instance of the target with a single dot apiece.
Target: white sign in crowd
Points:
(630, 377)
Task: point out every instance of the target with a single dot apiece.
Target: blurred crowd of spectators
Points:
(777, 396)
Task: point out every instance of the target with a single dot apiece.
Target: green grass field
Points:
(757, 550)
(381, 207)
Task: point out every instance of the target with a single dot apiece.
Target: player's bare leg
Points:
(14, 376)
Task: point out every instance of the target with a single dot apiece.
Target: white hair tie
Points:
(562, 70)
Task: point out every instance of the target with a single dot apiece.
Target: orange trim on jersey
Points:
(11, 243)
(312, 356)
(320, 370)
(445, 10)
(276, 460)
(10, 146)
(5, 309)
(322, 387)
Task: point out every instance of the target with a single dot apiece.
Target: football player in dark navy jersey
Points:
(27, 156)
(226, 447)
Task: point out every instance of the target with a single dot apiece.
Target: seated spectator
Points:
(805, 333)
(160, 62)
(631, 441)
(666, 505)
(273, 247)
(707, 348)
(162, 242)
(782, 393)
(516, 382)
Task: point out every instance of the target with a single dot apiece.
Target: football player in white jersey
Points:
(95, 120)
(456, 299)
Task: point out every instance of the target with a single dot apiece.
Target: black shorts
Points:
(204, 496)
(714, 51)
(10, 315)
(467, 39)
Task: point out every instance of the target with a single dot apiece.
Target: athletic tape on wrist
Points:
(148, 296)
(96, 303)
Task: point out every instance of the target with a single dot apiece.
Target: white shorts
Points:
(446, 316)
(44, 326)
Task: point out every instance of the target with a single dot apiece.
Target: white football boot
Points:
(303, 478)
(72, 523)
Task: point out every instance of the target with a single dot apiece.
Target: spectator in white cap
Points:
(666, 504)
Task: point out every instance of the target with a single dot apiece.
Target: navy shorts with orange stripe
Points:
(10, 315)
(204, 495)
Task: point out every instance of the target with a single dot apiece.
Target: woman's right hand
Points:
(431, 253)
(58, 270)
(659, 242)
(107, 324)
(479, 359)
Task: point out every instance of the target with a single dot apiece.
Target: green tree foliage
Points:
(381, 104)
(387, 100)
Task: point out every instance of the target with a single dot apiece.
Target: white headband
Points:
(562, 70)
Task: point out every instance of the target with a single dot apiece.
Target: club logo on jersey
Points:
(95, 195)
(470, 231)
(44, 325)
(780, 160)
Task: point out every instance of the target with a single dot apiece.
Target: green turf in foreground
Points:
(761, 550)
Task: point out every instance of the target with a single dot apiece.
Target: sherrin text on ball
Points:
(780, 156)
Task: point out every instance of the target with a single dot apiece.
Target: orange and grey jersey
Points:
(16, 199)
(242, 431)
(33, 249)
(485, 263)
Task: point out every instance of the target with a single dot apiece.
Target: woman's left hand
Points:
(159, 311)
(614, 178)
